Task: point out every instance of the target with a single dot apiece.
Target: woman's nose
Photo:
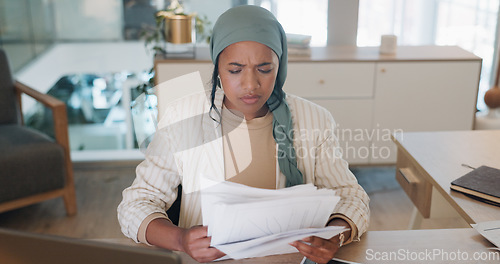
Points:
(250, 81)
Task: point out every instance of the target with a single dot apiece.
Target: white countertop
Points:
(368, 54)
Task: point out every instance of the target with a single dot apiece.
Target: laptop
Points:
(17, 247)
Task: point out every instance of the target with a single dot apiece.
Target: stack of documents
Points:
(298, 45)
(251, 222)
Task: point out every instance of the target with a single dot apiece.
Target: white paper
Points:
(490, 230)
(249, 222)
(277, 243)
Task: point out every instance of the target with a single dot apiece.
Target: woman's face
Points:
(248, 70)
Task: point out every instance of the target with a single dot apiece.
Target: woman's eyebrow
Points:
(236, 64)
(241, 65)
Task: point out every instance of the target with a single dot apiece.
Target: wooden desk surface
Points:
(429, 246)
(441, 155)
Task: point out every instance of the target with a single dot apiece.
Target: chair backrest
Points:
(8, 104)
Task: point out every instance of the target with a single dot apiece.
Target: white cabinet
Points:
(346, 90)
(328, 80)
(370, 96)
(423, 96)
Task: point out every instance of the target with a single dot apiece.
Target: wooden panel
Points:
(418, 189)
(330, 80)
(376, 245)
(364, 54)
(441, 155)
(379, 246)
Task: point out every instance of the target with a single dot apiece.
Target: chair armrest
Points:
(45, 99)
(58, 108)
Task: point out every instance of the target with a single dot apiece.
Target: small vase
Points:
(179, 28)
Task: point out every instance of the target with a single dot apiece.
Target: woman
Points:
(247, 131)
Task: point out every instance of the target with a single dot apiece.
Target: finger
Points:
(208, 254)
(304, 248)
(313, 242)
(194, 234)
(329, 244)
(317, 254)
(199, 231)
(218, 253)
(312, 257)
(200, 243)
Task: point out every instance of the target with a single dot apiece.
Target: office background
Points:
(83, 51)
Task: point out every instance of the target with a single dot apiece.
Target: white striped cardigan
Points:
(189, 144)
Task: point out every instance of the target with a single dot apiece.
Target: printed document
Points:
(251, 222)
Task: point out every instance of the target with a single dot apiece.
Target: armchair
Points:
(33, 167)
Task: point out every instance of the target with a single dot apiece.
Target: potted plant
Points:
(172, 25)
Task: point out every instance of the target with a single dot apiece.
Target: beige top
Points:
(249, 150)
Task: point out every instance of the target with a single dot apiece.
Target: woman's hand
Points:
(195, 242)
(318, 249)
(322, 250)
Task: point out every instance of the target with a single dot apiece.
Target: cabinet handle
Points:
(382, 70)
(321, 81)
(408, 175)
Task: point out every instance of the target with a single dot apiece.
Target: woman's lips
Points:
(250, 99)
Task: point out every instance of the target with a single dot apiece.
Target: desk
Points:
(432, 160)
(374, 244)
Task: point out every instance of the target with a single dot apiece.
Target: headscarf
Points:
(253, 23)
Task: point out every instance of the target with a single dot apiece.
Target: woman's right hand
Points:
(196, 243)
(193, 241)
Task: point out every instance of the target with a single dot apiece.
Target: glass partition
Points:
(26, 29)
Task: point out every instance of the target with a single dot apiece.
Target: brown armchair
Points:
(33, 167)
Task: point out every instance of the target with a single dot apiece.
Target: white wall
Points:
(87, 20)
(212, 9)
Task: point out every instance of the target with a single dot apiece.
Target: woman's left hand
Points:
(322, 250)
(318, 249)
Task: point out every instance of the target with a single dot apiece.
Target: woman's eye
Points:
(265, 71)
(234, 71)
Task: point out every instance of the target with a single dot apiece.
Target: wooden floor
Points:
(99, 193)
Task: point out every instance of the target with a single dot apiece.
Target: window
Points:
(304, 17)
(470, 24)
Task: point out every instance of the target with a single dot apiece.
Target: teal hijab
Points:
(253, 23)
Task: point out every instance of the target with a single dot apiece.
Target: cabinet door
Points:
(353, 119)
(423, 96)
(319, 80)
